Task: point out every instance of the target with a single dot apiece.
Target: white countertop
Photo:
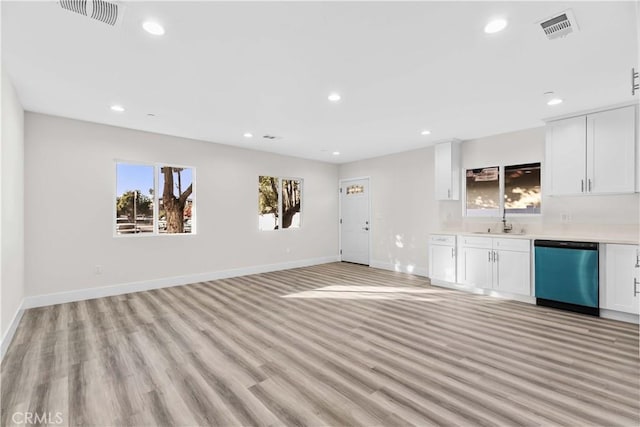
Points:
(595, 237)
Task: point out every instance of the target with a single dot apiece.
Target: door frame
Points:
(340, 185)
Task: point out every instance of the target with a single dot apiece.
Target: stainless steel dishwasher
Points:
(567, 275)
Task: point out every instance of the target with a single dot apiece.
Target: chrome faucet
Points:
(506, 227)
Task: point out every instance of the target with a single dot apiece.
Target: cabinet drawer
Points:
(476, 242)
(520, 245)
(443, 239)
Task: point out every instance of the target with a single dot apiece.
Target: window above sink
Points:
(513, 189)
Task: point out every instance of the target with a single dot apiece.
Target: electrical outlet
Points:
(565, 217)
(98, 270)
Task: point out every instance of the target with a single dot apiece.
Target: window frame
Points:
(156, 199)
(280, 180)
(501, 204)
(478, 214)
(522, 214)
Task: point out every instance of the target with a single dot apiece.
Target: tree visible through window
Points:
(134, 199)
(268, 195)
(152, 199)
(291, 189)
(176, 205)
(279, 202)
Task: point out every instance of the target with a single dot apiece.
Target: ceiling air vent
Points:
(77, 6)
(109, 12)
(270, 137)
(559, 25)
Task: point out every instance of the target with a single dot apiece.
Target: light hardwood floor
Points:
(337, 344)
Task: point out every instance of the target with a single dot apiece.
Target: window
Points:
(518, 184)
(134, 199)
(291, 190)
(522, 189)
(175, 207)
(483, 191)
(279, 202)
(355, 189)
(154, 199)
(268, 195)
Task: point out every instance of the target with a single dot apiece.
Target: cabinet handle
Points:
(453, 252)
(489, 253)
(582, 185)
(635, 287)
(589, 185)
(495, 256)
(448, 194)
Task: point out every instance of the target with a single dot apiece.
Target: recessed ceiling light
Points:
(334, 97)
(425, 132)
(117, 108)
(152, 27)
(554, 101)
(336, 153)
(248, 135)
(495, 26)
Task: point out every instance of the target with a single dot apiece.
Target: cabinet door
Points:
(513, 272)
(611, 151)
(566, 156)
(442, 263)
(476, 267)
(620, 273)
(447, 171)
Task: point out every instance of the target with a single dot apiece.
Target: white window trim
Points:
(482, 213)
(280, 179)
(156, 200)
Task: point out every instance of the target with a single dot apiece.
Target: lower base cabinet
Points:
(496, 263)
(513, 272)
(622, 279)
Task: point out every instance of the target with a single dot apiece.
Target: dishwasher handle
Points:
(587, 246)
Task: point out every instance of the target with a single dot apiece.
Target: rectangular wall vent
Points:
(559, 25)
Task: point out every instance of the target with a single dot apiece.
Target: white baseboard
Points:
(127, 288)
(480, 291)
(410, 269)
(8, 336)
(618, 315)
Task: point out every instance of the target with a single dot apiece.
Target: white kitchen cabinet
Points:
(611, 151)
(502, 264)
(442, 258)
(592, 154)
(622, 279)
(476, 267)
(512, 272)
(447, 170)
(566, 145)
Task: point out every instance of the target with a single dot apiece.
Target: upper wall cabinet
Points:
(592, 154)
(447, 170)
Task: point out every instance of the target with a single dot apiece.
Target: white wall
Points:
(403, 210)
(70, 192)
(12, 210)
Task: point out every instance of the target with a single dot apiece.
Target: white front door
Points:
(355, 224)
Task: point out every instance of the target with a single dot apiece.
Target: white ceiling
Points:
(223, 69)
